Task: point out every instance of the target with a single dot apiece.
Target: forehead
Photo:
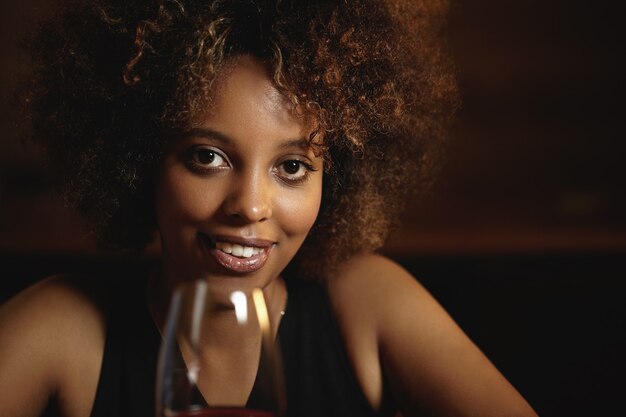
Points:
(245, 96)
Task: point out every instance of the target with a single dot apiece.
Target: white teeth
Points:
(237, 250)
(227, 247)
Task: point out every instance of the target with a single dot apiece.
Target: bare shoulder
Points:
(366, 270)
(390, 321)
(362, 294)
(367, 283)
(49, 335)
(386, 293)
(58, 305)
(374, 294)
(369, 265)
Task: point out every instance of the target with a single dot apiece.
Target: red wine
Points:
(224, 412)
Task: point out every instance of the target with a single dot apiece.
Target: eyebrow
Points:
(293, 143)
(209, 134)
(302, 143)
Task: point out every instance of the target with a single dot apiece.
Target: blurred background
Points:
(523, 239)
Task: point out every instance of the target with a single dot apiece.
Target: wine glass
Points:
(219, 356)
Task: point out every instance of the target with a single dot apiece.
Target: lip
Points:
(233, 263)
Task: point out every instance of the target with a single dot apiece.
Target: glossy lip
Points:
(233, 263)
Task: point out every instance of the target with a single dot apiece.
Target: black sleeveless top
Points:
(318, 377)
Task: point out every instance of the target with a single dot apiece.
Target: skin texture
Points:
(51, 344)
(393, 329)
(401, 344)
(239, 194)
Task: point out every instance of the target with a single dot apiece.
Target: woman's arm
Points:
(51, 340)
(430, 364)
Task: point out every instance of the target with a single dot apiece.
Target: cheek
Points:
(299, 212)
(180, 200)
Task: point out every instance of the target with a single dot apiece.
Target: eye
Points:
(204, 159)
(294, 171)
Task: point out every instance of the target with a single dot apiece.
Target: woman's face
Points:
(237, 195)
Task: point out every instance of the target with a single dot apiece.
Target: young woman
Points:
(264, 142)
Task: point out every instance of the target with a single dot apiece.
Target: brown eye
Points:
(205, 156)
(291, 167)
(204, 159)
(294, 171)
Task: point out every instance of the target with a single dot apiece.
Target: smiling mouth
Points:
(241, 256)
(237, 250)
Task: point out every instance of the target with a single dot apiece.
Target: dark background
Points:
(523, 239)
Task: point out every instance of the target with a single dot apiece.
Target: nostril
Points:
(248, 212)
(249, 200)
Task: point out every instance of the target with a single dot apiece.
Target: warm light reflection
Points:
(261, 310)
(239, 300)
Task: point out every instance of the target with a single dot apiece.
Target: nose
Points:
(250, 198)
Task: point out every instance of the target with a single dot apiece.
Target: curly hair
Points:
(113, 80)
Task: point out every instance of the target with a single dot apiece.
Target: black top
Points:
(319, 379)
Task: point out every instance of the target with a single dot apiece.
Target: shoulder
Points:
(367, 270)
(374, 294)
(388, 297)
(373, 284)
(363, 294)
(397, 333)
(59, 304)
(51, 339)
